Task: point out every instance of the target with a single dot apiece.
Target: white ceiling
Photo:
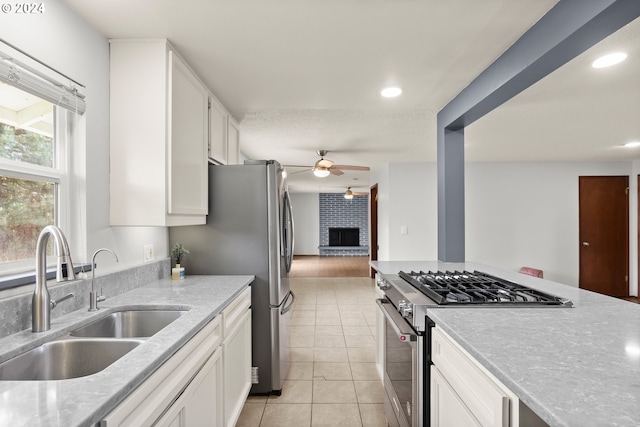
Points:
(305, 75)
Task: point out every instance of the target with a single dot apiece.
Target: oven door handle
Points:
(397, 322)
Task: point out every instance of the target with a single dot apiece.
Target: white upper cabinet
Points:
(159, 129)
(224, 135)
(217, 131)
(233, 142)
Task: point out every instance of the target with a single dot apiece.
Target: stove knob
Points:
(407, 311)
(383, 284)
(402, 305)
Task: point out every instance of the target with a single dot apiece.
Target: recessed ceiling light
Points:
(609, 60)
(632, 144)
(391, 92)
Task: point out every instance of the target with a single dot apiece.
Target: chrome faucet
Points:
(93, 295)
(41, 303)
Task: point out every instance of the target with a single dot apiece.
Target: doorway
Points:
(373, 226)
(604, 234)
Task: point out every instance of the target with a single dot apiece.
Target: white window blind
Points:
(16, 73)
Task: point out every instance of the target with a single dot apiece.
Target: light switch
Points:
(404, 229)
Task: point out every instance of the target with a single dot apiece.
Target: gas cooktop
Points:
(464, 287)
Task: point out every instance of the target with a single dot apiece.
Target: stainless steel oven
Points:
(403, 369)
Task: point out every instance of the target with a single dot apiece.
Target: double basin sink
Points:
(88, 349)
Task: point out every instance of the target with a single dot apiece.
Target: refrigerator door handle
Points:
(288, 232)
(287, 304)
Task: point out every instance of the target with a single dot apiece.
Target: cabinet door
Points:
(487, 400)
(233, 143)
(237, 369)
(162, 396)
(217, 132)
(446, 407)
(201, 402)
(188, 133)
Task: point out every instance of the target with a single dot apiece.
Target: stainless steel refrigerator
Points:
(249, 230)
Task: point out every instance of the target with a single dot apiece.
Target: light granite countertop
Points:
(576, 366)
(85, 401)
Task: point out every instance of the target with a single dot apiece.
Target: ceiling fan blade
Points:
(335, 171)
(298, 166)
(352, 168)
(304, 170)
(359, 193)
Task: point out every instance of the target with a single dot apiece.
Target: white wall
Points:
(414, 186)
(62, 40)
(517, 214)
(306, 217)
(526, 214)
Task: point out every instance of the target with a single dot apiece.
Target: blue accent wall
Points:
(336, 211)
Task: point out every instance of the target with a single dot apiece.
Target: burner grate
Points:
(464, 287)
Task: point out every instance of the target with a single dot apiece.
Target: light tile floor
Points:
(332, 380)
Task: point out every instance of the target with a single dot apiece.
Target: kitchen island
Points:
(85, 401)
(577, 366)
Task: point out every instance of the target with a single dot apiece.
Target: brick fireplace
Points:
(342, 219)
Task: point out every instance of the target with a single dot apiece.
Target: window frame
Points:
(58, 174)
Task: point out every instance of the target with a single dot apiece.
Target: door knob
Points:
(585, 243)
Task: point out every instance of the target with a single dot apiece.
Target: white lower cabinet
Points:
(203, 384)
(447, 409)
(465, 393)
(236, 354)
(200, 405)
(173, 386)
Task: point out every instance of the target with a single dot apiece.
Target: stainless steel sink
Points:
(65, 359)
(129, 324)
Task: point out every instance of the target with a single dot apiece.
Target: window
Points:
(27, 197)
(37, 121)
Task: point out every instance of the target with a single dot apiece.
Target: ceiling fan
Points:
(349, 194)
(325, 167)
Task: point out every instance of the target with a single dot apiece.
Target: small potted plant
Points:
(178, 252)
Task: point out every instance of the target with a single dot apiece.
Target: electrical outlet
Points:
(147, 253)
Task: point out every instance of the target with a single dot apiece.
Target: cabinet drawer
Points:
(233, 314)
(485, 399)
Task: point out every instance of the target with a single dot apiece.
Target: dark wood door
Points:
(373, 226)
(604, 234)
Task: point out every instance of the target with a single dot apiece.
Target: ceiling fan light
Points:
(348, 194)
(321, 172)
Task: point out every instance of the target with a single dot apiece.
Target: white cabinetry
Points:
(465, 393)
(236, 353)
(185, 390)
(233, 142)
(447, 409)
(158, 136)
(201, 402)
(217, 131)
(224, 134)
